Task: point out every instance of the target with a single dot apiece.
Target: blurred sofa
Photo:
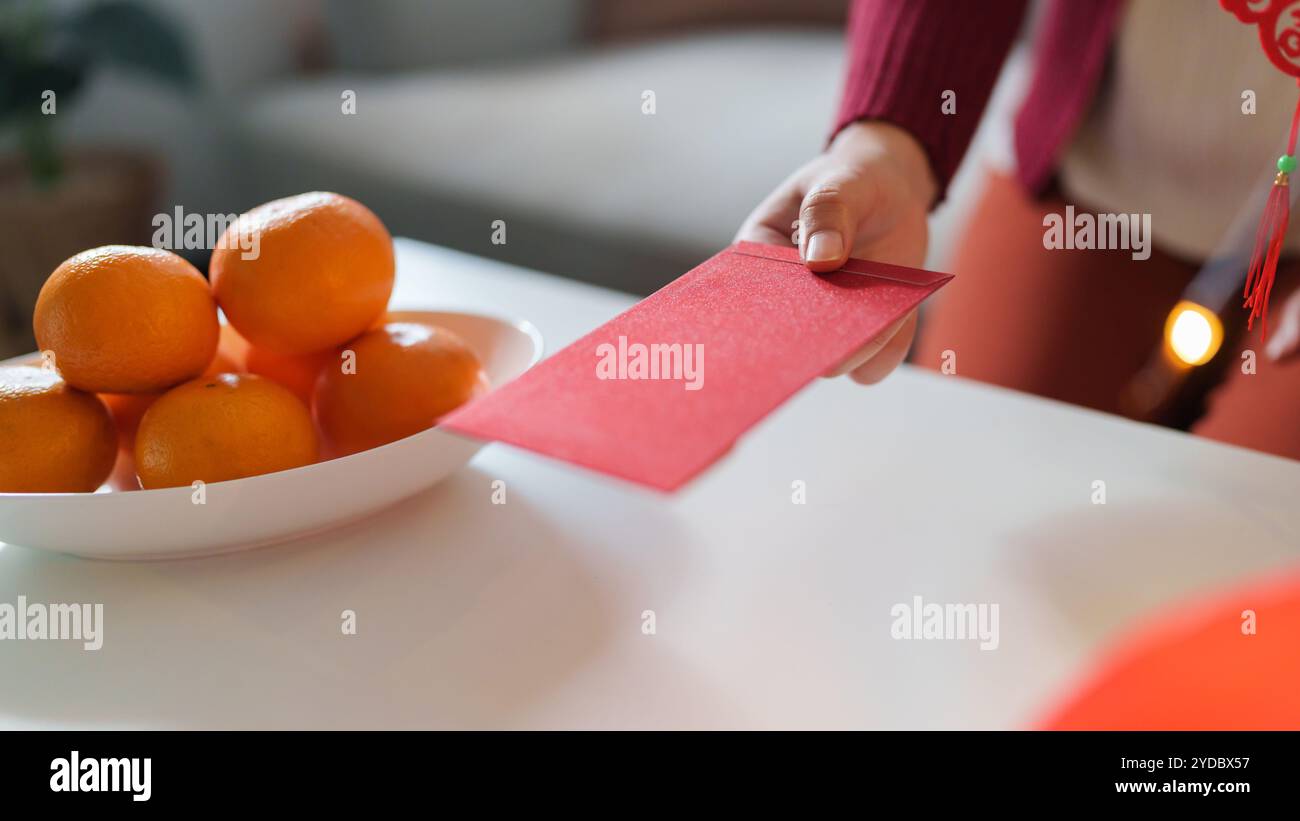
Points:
(521, 112)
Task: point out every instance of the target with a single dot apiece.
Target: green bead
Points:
(1286, 163)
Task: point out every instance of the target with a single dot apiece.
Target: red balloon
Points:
(1226, 662)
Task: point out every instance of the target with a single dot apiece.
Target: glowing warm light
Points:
(1194, 333)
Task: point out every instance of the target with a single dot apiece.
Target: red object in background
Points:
(767, 327)
(1195, 669)
(1281, 42)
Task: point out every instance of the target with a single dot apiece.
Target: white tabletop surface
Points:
(767, 613)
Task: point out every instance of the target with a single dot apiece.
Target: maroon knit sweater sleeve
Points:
(904, 54)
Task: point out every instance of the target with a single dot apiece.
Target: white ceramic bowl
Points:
(261, 510)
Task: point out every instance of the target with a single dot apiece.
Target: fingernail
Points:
(825, 246)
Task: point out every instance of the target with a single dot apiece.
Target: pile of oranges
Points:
(137, 370)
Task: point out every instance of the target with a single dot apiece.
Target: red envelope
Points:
(662, 391)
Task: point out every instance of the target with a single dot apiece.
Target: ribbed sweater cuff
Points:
(904, 54)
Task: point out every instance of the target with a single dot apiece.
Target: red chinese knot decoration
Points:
(1279, 29)
(1279, 33)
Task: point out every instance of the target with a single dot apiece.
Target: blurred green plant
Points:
(46, 50)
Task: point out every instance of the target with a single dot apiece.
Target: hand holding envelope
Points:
(663, 391)
(866, 196)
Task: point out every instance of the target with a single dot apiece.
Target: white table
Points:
(768, 613)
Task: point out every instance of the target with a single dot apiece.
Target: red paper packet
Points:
(751, 325)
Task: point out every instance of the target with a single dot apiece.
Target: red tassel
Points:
(1271, 234)
(1268, 248)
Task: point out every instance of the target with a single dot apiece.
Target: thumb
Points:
(828, 220)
